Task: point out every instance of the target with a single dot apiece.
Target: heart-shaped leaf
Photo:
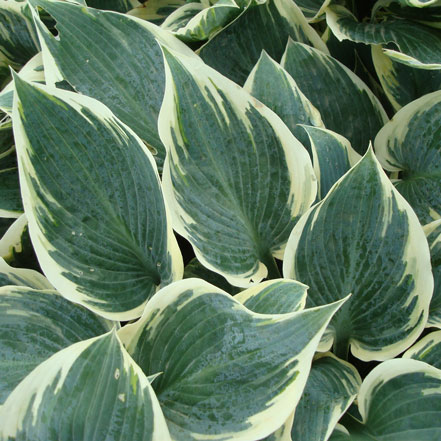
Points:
(365, 239)
(93, 200)
(225, 370)
(235, 177)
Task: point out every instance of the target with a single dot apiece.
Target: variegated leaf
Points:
(18, 38)
(365, 239)
(205, 23)
(113, 5)
(93, 200)
(181, 16)
(92, 390)
(280, 296)
(410, 144)
(399, 400)
(156, 11)
(10, 199)
(22, 277)
(313, 9)
(263, 25)
(345, 103)
(403, 40)
(123, 68)
(274, 87)
(332, 156)
(403, 84)
(331, 388)
(11, 241)
(235, 177)
(36, 325)
(194, 269)
(433, 234)
(428, 349)
(227, 372)
(32, 71)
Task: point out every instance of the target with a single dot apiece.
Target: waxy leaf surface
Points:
(93, 200)
(226, 372)
(92, 390)
(365, 239)
(36, 325)
(345, 103)
(428, 349)
(411, 144)
(235, 177)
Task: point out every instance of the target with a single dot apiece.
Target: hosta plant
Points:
(220, 220)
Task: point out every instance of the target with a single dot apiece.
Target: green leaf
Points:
(365, 239)
(92, 390)
(410, 144)
(331, 387)
(428, 349)
(93, 200)
(18, 39)
(123, 68)
(204, 23)
(403, 84)
(11, 241)
(274, 297)
(194, 269)
(236, 206)
(263, 25)
(274, 87)
(433, 234)
(113, 5)
(10, 198)
(22, 277)
(181, 16)
(345, 103)
(36, 325)
(399, 400)
(403, 40)
(32, 71)
(313, 9)
(155, 11)
(332, 156)
(226, 370)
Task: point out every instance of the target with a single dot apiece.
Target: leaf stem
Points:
(273, 270)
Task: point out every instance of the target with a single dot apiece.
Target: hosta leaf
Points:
(331, 387)
(194, 269)
(123, 68)
(410, 143)
(274, 87)
(206, 22)
(10, 198)
(32, 71)
(433, 234)
(92, 390)
(365, 239)
(283, 433)
(313, 9)
(274, 297)
(181, 16)
(264, 25)
(226, 370)
(156, 11)
(345, 103)
(22, 277)
(332, 156)
(36, 325)
(11, 241)
(341, 434)
(93, 200)
(403, 84)
(405, 41)
(428, 349)
(113, 5)
(399, 400)
(235, 177)
(18, 39)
